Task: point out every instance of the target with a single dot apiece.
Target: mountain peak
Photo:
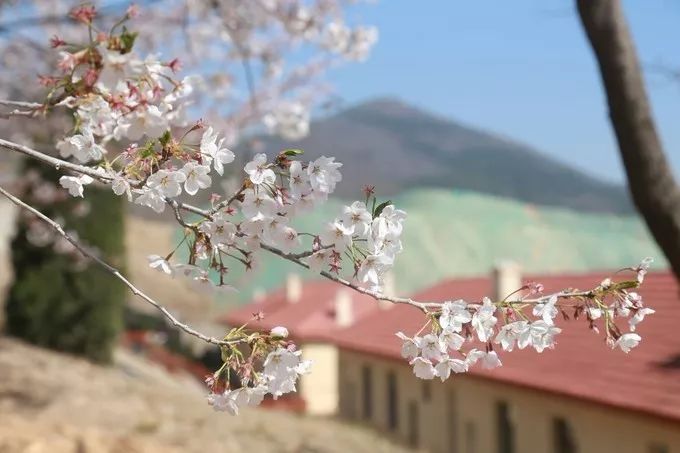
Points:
(396, 146)
(386, 106)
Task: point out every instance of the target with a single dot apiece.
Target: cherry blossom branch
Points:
(136, 291)
(32, 109)
(292, 257)
(57, 163)
(21, 104)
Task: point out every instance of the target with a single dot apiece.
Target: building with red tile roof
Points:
(582, 371)
(580, 397)
(313, 311)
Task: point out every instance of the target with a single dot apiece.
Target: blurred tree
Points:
(650, 178)
(58, 300)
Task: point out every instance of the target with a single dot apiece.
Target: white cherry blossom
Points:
(160, 264)
(324, 174)
(258, 206)
(423, 368)
(430, 347)
(74, 184)
(410, 347)
(444, 368)
(219, 154)
(196, 177)
(627, 341)
(358, 216)
(167, 182)
(299, 180)
(81, 146)
(338, 235)
(150, 122)
(258, 171)
(448, 339)
(454, 315)
(484, 320)
(151, 197)
(546, 310)
(639, 316)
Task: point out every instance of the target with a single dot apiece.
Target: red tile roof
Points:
(647, 380)
(312, 318)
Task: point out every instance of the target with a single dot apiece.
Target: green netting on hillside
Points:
(454, 233)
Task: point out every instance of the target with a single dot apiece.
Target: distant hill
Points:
(398, 147)
(455, 233)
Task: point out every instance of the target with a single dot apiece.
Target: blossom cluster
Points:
(463, 334)
(277, 375)
(287, 46)
(116, 96)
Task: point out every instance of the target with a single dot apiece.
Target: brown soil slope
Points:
(55, 403)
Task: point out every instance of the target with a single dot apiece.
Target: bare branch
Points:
(21, 104)
(136, 291)
(53, 161)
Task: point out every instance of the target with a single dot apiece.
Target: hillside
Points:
(397, 147)
(457, 233)
(54, 403)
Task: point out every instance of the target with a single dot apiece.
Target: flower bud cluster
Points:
(263, 364)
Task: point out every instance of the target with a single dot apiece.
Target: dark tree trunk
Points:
(650, 178)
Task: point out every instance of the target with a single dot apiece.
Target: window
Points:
(452, 431)
(427, 391)
(392, 402)
(348, 402)
(470, 437)
(413, 422)
(367, 391)
(563, 437)
(505, 432)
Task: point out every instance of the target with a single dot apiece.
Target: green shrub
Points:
(58, 300)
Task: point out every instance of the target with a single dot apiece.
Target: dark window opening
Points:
(413, 422)
(452, 431)
(367, 390)
(348, 401)
(563, 437)
(427, 391)
(470, 437)
(392, 402)
(504, 430)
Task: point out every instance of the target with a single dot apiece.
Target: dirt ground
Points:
(54, 403)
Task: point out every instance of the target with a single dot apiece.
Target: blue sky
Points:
(519, 68)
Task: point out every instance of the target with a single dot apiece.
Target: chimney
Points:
(506, 277)
(388, 290)
(293, 288)
(344, 317)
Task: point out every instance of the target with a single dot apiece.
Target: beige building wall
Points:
(319, 389)
(460, 416)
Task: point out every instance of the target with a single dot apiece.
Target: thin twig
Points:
(136, 291)
(53, 161)
(21, 104)
(422, 306)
